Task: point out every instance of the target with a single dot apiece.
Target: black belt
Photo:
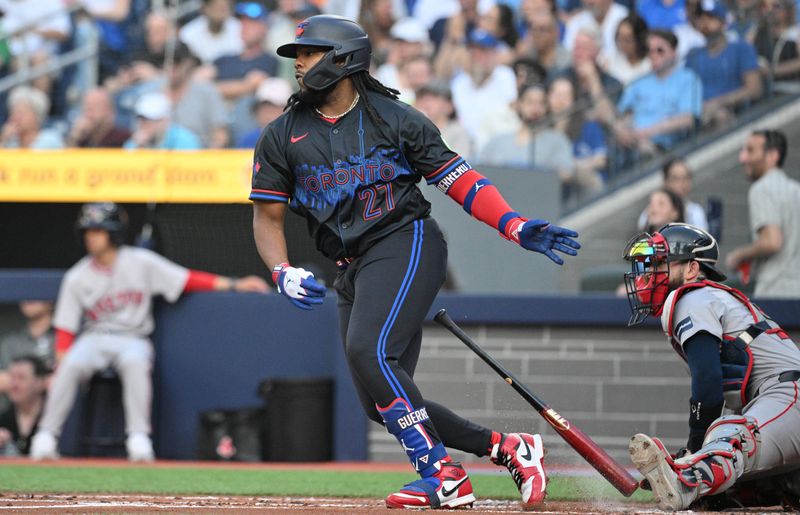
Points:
(789, 376)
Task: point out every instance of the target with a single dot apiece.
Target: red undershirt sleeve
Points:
(199, 281)
(64, 340)
(478, 196)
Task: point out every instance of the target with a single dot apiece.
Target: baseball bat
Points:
(577, 439)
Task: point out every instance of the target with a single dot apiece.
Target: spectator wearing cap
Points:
(28, 108)
(483, 87)
(270, 100)
(154, 128)
(542, 43)
(661, 107)
(435, 101)
(95, 125)
(410, 40)
(603, 15)
(728, 69)
(214, 33)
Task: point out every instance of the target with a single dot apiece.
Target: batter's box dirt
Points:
(46, 503)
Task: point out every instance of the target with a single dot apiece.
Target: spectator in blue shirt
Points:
(154, 129)
(662, 14)
(728, 69)
(664, 104)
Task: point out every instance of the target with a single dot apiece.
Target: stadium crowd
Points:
(599, 84)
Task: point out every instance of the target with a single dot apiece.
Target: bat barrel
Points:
(577, 439)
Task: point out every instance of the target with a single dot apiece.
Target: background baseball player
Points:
(107, 298)
(742, 365)
(347, 156)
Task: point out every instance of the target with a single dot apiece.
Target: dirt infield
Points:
(95, 503)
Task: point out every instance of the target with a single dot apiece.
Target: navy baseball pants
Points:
(383, 297)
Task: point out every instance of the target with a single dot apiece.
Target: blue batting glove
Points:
(540, 236)
(300, 287)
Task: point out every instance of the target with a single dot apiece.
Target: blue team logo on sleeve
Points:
(683, 326)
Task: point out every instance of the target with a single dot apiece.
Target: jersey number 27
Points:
(371, 198)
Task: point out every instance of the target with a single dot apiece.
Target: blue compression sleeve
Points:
(702, 352)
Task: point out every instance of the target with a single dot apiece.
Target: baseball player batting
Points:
(347, 155)
(106, 299)
(743, 367)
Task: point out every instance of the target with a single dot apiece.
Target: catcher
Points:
(742, 365)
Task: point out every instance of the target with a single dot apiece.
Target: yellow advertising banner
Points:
(83, 175)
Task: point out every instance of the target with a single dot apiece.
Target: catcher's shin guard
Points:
(728, 450)
(656, 465)
(523, 455)
(448, 488)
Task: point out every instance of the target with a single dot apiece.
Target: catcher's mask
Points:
(674, 243)
(647, 286)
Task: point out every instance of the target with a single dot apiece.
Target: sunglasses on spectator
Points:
(252, 10)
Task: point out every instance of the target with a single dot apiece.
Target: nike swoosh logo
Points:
(448, 493)
(295, 139)
(527, 456)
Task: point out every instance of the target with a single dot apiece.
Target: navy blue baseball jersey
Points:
(354, 182)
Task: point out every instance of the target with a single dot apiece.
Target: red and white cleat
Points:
(523, 455)
(448, 488)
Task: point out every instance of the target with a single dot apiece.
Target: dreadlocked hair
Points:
(363, 82)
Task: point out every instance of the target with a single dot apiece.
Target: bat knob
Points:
(440, 315)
